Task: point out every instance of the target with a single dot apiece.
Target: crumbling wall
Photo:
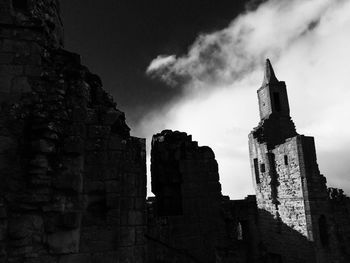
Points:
(340, 224)
(192, 231)
(280, 200)
(242, 232)
(295, 216)
(73, 179)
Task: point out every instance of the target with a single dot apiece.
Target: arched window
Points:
(242, 230)
(239, 231)
(323, 230)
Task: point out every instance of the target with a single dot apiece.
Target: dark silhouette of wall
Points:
(73, 180)
(185, 221)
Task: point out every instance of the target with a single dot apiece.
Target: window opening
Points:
(256, 170)
(276, 98)
(262, 168)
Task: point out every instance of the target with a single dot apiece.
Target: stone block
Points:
(116, 143)
(111, 116)
(126, 254)
(112, 186)
(140, 203)
(20, 84)
(91, 116)
(43, 146)
(32, 70)
(40, 161)
(76, 128)
(6, 58)
(113, 216)
(126, 203)
(74, 144)
(64, 242)
(99, 239)
(139, 254)
(71, 220)
(75, 258)
(136, 218)
(140, 235)
(78, 114)
(96, 131)
(3, 212)
(3, 230)
(5, 84)
(94, 186)
(112, 173)
(127, 236)
(6, 144)
(107, 257)
(69, 179)
(24, 225)
(112, 200)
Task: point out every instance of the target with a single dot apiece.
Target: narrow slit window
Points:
(276, 98)
(239, 231)
(286, 160)
(256, 170)
(262, 168)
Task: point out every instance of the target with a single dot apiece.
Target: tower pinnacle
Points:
(269, 75)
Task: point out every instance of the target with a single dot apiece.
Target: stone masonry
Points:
(185, 222)
(73, 179)
(292, 197)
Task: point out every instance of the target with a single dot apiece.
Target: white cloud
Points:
(161, 61)
(307, 41)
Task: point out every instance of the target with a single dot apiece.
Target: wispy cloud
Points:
(307, 41)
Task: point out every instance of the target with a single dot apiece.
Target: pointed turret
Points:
(269, 76)
(273, 98)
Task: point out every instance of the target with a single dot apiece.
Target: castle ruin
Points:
(73, 180)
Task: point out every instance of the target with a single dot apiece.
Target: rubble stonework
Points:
(73, 179)
(185, 221)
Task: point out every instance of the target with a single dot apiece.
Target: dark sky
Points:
(117, 40)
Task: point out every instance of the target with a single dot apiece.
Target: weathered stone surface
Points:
(293, 208)
(64, 150)
(73, 180)
(64, 242)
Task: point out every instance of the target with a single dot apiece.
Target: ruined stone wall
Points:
(296, 220)
(280, 201)
(340, 224)
(73, 179)
(241, 222)
(186, 177)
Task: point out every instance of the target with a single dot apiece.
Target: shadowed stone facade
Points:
(73, 180)
(185, 221)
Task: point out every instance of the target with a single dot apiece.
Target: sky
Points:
(195, 66)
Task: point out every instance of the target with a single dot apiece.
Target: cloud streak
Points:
(307, 42)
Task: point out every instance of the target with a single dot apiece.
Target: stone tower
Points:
(290, 191)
